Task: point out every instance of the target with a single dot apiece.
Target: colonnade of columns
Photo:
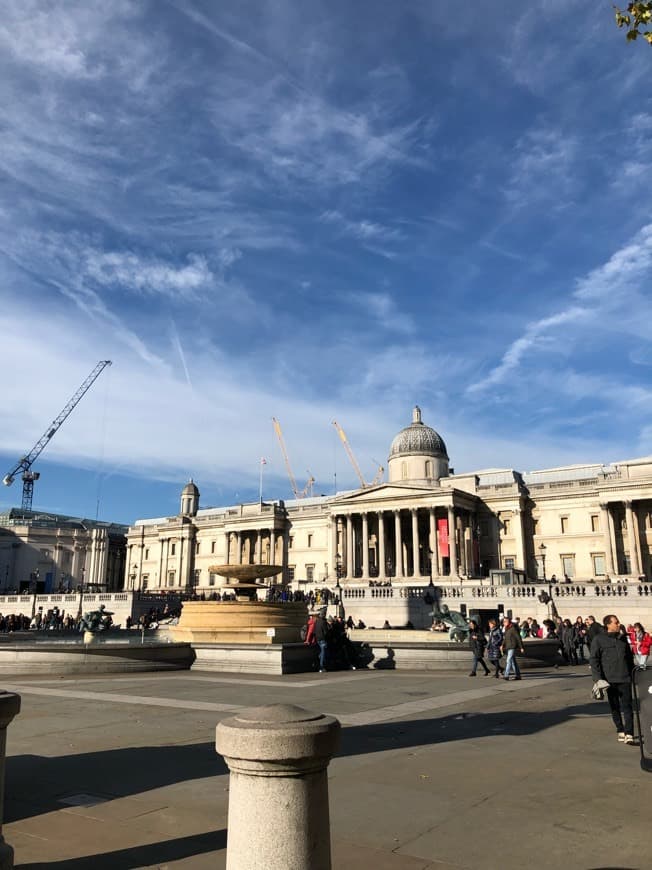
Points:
(257, 547)
(628, 543)
(400, 544)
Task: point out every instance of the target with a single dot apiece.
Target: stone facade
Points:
(584, 521)
(54, 553)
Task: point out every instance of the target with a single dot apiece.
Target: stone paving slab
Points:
(436, 772)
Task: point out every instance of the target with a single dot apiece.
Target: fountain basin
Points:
(240, 622)
(62, 657)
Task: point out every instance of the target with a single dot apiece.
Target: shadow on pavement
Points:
(35, 784)
(139, 856)
(460, 726)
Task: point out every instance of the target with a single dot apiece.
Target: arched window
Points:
(429, 468)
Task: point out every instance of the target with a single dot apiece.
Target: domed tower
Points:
(189, 500)
(418, 454)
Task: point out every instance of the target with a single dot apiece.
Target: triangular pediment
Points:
(383, 492)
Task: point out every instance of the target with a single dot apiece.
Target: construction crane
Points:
(293, 482)
(354, 462)
(25, 463)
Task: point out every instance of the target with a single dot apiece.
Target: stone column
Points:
(519, 538)
(365, 546)
(272, 547)
(349, 545)
(452, 541)
(433, 544)
(398, 545)
(278, 791)
(332, 548)
(258, 556)
(381, 546)
(9, 707)
(612, 533)
(634, 562)
(416, 568)
(608, 545)
(238, 548)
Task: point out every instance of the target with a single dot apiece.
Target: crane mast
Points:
(25, 463)
(354, 462)
(293, 482)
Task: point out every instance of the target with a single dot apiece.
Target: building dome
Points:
(189, 499)
(418, 439)
(190, 489)
(418, 454)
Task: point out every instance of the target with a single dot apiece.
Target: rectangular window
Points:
(197, 548)
(595, 523)
(146, 553)
(290, 542)
(539, 568)
(568, 566)
(310, 573)
(310, 540)
(290, 573)
(211, 579)
(627, 564)
(173, 549)
(144, 580)
(171, 577)
(212, 546)
(535, 526)
(197, 576)
(506, 526)
(598, 564)
(509, 561)
(564, 526)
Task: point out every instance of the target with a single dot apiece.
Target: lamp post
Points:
(35, 578)
(548, 596)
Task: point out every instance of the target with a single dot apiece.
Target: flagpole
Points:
(260, 487)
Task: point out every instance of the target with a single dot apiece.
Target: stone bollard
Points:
(9, 707)
(278, 794)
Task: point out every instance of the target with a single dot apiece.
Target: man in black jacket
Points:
(612, 660)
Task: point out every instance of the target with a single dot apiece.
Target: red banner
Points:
(442, 531)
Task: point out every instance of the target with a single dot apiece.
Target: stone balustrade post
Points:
(278, 795)
(9, 707)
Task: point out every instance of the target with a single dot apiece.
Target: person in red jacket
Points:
(641, 643)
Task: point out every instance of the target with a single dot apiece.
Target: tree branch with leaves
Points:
(637, 19)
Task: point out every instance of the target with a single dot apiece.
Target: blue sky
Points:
(316, 211)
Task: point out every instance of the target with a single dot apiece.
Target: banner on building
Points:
(442, 533)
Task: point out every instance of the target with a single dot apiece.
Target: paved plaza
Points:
(435, 771)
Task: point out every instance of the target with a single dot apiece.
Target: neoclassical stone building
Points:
(584, 521)
(47, 553)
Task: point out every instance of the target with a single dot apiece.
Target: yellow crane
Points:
(293, 481)
(354, 462)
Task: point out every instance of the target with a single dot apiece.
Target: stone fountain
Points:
(245, 619)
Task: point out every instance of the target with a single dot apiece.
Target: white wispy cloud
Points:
(613, 285)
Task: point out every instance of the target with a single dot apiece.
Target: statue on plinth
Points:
(96, 620)
(457, 623)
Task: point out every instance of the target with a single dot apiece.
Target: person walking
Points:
(494, 646)
(320, 632)
(478, 645)
(612, 660)
(511, 643)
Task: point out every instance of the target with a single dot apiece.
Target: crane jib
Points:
(25, 463)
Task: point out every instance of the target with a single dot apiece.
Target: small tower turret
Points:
(189, 499)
